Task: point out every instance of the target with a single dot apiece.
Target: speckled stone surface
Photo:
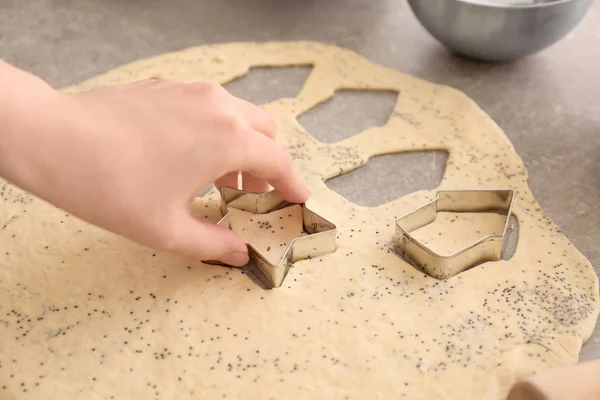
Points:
(547, 103)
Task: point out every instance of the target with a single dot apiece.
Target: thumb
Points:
(206, 241)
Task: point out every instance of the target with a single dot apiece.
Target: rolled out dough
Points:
(87, 315)
(270, 234)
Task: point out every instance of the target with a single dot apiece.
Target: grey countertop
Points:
(548, 104)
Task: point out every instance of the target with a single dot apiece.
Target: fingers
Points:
(253, 184)
(152, 83)
(228, 180)
(250, 183)
(266, 160)
(261, 159)
(283, 177)
(258, 119)
(206, 241)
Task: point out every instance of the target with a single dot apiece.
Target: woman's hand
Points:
(132, 158)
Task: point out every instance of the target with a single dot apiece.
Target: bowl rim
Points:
(515, 6)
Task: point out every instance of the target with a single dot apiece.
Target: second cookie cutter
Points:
(488, 248)
(321, 238)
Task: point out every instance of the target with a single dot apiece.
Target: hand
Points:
(132, 158)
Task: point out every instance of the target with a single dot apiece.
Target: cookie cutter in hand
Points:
(320, 239)
(488, 248)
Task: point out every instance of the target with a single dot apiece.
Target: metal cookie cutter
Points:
(321, 238)
(488, 248)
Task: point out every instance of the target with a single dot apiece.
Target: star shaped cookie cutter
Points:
(320, 239)
(487, 248)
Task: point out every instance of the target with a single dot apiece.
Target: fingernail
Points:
(236, 258)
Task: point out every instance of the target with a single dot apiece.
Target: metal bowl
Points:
(495, 30)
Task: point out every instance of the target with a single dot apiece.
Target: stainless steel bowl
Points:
(490, 30)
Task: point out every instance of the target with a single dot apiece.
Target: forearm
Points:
(28, 119)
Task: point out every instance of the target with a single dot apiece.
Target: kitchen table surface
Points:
(548, 104)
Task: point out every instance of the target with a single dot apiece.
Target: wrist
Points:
(28, 119)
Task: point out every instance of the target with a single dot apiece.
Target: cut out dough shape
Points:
(270, 234)
(85, 314)
(458, 230)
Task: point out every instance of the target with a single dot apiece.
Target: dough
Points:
(88, 315)
(270, 234)
(458, 230)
